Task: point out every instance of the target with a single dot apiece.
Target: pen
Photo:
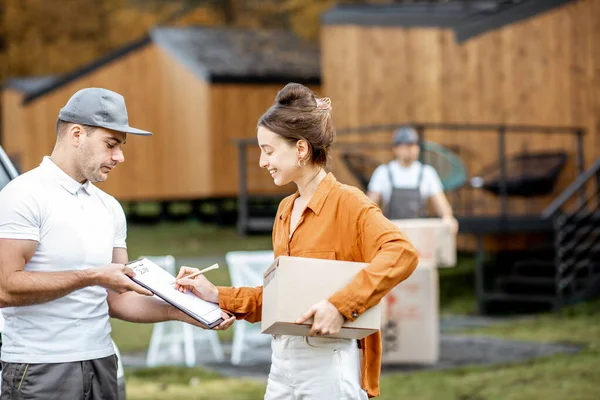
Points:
(214, 266)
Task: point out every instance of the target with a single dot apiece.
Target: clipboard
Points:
(152, 277)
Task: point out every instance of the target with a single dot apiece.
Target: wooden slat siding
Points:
(343, 55)
(540, 71)
(13, 137)
(185, 149)
(592, 11)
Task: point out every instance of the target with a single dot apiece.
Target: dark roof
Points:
(467, 18)
(222, 55)
(241, 55)
(28, 85)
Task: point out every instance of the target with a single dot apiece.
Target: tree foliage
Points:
(48, 37)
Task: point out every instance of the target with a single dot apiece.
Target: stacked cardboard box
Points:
(410, 327)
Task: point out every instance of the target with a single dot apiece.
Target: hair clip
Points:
(324, 103)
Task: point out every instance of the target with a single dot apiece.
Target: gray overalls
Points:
(405, 202)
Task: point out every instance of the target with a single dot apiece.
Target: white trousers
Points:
(314, 368)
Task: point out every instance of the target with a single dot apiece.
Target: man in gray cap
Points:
(404, 185)
(62, 261)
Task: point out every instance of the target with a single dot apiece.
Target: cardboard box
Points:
(410, 326)
(293, 284)
(432, 238)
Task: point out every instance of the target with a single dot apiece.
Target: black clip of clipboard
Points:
(179, 307)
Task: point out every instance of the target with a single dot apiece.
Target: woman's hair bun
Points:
(296, 95)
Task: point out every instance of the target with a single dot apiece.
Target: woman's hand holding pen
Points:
(327, 319)
(198, 284)
(203, 288)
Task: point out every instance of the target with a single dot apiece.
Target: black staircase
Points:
(577, 239)
(564, 269)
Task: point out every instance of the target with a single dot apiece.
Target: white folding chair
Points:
(175, 337)
(246, 268)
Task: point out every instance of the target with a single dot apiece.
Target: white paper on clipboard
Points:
(160, 282)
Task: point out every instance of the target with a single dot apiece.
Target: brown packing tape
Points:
(270, 273)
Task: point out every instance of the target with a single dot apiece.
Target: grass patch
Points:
(553, 378)
(457, 287)
(188, 383)
(190, 239)
(578, 324)
(173, 375)
(558, 377)
(131, 337)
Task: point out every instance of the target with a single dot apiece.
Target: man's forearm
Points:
(24, 288)
(134, 307)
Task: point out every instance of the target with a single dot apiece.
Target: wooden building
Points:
(197, 89)
(532, 62)
(525, 70)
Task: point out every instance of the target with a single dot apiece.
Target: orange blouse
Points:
(339, 223)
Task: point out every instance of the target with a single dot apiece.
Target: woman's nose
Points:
(262, 162)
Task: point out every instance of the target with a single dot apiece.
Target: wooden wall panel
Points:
(588, 14)
(185, 153)
(234, 113)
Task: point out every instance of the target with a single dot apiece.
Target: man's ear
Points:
(75, 133)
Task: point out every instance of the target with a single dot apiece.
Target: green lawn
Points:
(190, 239)
(573, 377)
(167, 383)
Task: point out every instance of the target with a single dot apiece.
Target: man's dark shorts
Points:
(88, 380)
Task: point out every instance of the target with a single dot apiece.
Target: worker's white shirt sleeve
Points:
(19, 213)
(120, 224)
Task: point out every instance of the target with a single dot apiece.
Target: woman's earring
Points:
(300, 163)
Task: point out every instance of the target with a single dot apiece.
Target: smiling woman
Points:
(295, 135)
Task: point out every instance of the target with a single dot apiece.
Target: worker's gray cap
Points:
(405, 135)
(99, 107)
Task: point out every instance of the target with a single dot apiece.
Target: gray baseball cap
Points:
(99, 107)
(405, 135)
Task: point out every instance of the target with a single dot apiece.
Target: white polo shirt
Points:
(406, 178)
(76, 227)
